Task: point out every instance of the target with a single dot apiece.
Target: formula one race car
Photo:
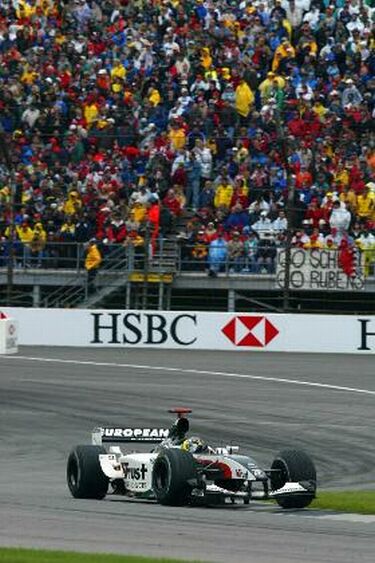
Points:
(181, 470)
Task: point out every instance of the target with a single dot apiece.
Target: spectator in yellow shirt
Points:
(284, 50)
(139, 212)
(244, 98)
(350, 197)
(39, 232)
(92, 262)
(154, 97)
(29, 75)
(342, 175)
(90, 113)
(206, 59)
(224, 193)
(35, 249)
(73, 203)
(269, 84)
(177, 137)
(118, 70)
(25, 233)
(24, 10)
(366, 204)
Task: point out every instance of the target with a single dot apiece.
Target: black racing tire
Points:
(296, 466)
(84, 475)
(173, 469)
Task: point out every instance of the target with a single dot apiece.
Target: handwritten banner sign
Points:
(319, 269)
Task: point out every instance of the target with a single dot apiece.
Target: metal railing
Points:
(169, 255)
(71, 256)
(54, 256)
(116, 259)
(263, 261)
(261, 268)
(267, 260)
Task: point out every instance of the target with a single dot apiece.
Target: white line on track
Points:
(326, 515)
(197, 372)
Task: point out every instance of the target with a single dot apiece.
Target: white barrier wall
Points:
(204, 331)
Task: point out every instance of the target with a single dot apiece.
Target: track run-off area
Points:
(51, 399)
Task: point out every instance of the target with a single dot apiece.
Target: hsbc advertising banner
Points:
(242, 332)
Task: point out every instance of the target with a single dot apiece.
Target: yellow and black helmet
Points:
(194, 445)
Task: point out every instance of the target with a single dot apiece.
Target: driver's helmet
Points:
(194, 445)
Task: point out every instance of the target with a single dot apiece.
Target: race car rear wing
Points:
(127, 435)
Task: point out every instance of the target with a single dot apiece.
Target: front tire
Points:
(296, 466)
(84, 475)
(173, 469)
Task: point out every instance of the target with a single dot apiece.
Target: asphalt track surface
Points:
(263, 402)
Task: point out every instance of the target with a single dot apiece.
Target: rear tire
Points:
(84, 475)
(172, 470)
(296, 466)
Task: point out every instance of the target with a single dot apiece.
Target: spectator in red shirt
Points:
(172, 203)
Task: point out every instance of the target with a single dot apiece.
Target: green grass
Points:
(15, 555)
(360, 502)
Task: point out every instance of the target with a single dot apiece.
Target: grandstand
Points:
(193, 143)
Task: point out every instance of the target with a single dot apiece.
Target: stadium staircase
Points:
(118, 271)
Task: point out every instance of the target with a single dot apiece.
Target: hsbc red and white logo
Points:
(255, 332)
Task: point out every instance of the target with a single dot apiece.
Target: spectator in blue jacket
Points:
(237, 218)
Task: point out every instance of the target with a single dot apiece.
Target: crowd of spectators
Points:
(120, 118)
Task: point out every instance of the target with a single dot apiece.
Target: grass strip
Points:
(359, 502)
(18, 555)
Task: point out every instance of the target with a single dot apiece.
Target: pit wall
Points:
(243, 332)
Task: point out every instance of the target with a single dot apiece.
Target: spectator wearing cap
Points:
(330, 243)
(314, 241)
(199, 251)
(210, 232)
(235, 249)
(263, 224)
(24, 233)
(351, 96)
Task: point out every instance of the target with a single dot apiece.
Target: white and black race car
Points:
(181, 470)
